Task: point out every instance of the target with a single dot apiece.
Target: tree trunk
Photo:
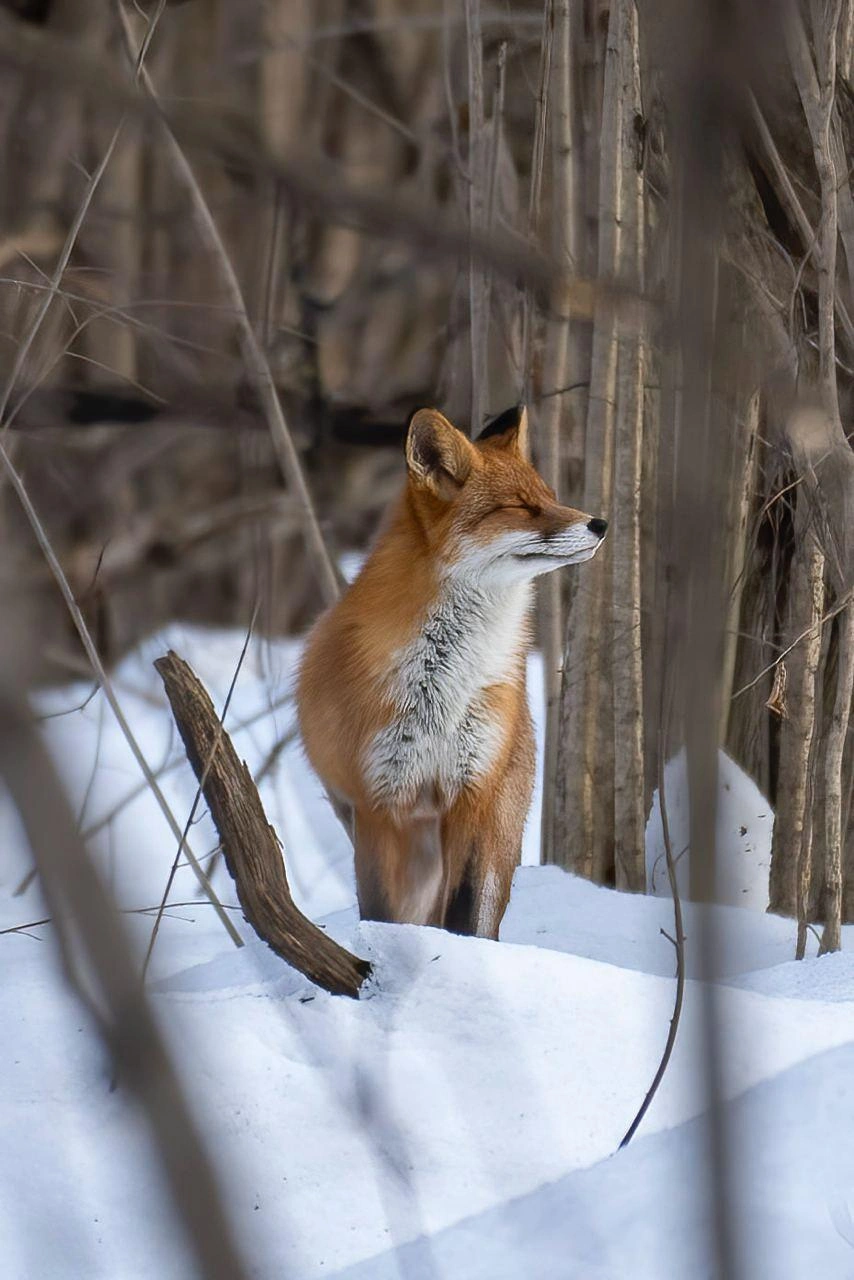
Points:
(557, 374)
(629, 811)
(790, 862)
(834, 778)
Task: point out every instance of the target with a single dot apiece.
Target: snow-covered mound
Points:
(461, 1119)
(745, 824)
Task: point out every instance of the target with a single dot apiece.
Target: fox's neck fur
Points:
(458, 641)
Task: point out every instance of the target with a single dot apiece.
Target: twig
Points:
(29, 338)
(817, 98)
(678, 943)
(123, 911)
(805, 634)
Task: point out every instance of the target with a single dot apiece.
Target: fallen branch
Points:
(251, 847)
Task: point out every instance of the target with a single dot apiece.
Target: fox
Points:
(411, 693)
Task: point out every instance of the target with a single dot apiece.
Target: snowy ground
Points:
(462, 1119)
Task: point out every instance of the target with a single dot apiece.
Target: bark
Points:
(817, 96)
(556, 416)
(583, 830)
(629, 812)
(834, 781)
(740, 489)
(790, 853)
(477, 199)
(251, 847)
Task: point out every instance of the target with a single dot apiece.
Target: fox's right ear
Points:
(439, 457)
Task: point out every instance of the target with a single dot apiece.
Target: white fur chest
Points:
(441, 733)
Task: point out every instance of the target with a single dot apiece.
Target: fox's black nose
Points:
(597, 526)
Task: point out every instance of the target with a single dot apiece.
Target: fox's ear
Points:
(508, 431)
(439, 457)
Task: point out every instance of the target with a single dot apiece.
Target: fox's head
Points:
(483, 507)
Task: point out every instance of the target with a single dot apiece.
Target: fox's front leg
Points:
(482, 838)
(399, 869)
(484, 842)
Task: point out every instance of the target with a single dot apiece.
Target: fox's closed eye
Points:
(526, 507)
(503, 506)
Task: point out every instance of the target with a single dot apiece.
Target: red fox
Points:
(412, 700)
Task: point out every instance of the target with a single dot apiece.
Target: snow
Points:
(745, 824)
(461, 1120)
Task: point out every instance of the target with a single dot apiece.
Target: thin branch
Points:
(789, 199)
(79, 218)
(804, 635)
(678, 943)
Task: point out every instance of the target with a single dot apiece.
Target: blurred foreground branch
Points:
(88, 926)
(252, 851)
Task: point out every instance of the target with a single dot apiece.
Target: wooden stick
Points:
(251, 847)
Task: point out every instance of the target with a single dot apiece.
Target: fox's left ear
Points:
(438, 456)
(509, 430)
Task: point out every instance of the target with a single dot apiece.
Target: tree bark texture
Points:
(251, 847)
(790, 860)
